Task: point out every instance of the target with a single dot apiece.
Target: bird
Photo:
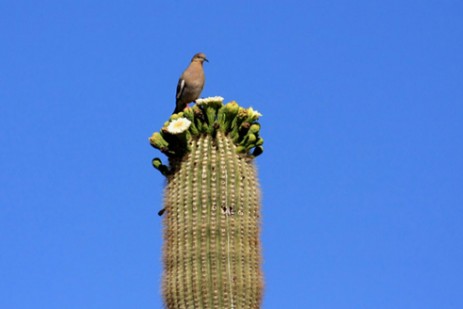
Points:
(190, 83)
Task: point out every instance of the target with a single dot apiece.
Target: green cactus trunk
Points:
(212, 252)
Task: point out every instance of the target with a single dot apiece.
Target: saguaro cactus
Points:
(212, 254)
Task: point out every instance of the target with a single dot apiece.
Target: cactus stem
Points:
(212, 255)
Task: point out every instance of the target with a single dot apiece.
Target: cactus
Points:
(212, 256)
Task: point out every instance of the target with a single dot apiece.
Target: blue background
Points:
(362, 172)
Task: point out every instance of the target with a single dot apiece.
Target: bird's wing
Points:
(180, 87)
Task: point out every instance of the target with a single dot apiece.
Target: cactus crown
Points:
(208, 116)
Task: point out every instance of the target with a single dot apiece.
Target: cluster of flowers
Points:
(208, 116)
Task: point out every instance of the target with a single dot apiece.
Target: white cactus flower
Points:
(178, 126)
(205, 101)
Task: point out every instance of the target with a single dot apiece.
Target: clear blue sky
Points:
(362, 175)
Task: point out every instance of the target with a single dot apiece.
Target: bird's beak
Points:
(206, 60)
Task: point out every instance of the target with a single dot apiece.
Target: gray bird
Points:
(190, 83)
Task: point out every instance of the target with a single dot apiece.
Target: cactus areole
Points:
(212, 252)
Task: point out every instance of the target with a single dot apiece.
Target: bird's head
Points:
(199, 57)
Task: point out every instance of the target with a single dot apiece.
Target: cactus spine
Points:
(212, 255)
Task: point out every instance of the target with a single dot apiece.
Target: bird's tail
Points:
(178, 107)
